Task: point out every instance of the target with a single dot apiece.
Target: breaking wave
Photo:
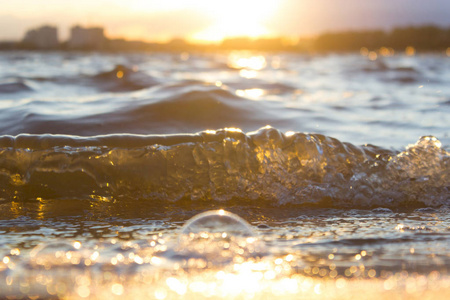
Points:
(265, 167)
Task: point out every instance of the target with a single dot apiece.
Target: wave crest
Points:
(265, 167)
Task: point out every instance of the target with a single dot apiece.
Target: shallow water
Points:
(105, 157)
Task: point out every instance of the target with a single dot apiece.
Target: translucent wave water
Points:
(265, 166)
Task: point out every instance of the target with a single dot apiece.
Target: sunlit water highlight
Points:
(307, 208)
(318, 254)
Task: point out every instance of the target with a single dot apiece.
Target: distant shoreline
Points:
(423, 39)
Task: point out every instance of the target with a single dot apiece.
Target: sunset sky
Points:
(213, 20)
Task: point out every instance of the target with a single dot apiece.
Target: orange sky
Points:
(213, 20)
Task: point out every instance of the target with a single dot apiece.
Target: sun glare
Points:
(235, 18)
(219, 19)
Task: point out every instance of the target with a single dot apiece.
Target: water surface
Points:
(105, 157)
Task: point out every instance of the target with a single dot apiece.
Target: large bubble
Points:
(217, 238)
(218, 221)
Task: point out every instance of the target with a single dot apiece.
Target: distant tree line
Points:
(425, 38)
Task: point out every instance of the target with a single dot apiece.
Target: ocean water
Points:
(237, 175)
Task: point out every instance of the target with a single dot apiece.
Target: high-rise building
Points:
(44, 37)
(86, 38)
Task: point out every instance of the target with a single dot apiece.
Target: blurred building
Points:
(86, 38)
(44, 37)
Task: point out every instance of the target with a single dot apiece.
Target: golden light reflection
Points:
(373, 55)
(410, 51)
(248, 73)
(232, 129)
(77, 245)
(384, 51)
(176, 285)
(246, 273)
(364, 51)
(400, 227)
(242, 60)
(251, 93)
(15, 251)
(83, 291)
(290, 133)
(119, 74)
(253, 278)
(117, 289)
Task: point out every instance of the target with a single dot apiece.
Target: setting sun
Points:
(235, 18)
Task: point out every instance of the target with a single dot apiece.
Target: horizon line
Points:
(291, 38)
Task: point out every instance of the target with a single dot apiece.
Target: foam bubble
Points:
(218, 221)
(216, 238)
